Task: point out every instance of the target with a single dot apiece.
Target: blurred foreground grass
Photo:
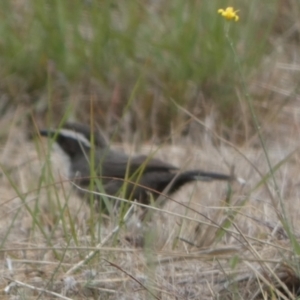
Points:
(132, 58)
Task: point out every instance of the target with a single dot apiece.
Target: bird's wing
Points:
(150, 164)
(119, 165)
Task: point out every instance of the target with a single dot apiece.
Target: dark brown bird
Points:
(141, 174)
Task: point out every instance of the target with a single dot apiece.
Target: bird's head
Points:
(75, 139)
(71, 142)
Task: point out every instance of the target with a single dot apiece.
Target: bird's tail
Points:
(197, 175)
(204, 176)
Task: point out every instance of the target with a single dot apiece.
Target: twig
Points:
(36, 289)
(132, 277)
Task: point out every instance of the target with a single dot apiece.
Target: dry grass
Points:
(225, 246)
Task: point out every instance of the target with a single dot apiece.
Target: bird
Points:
(139, 177)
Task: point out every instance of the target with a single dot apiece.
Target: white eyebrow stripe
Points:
(75, 136)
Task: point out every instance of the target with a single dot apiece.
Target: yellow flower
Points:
(229, 13)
